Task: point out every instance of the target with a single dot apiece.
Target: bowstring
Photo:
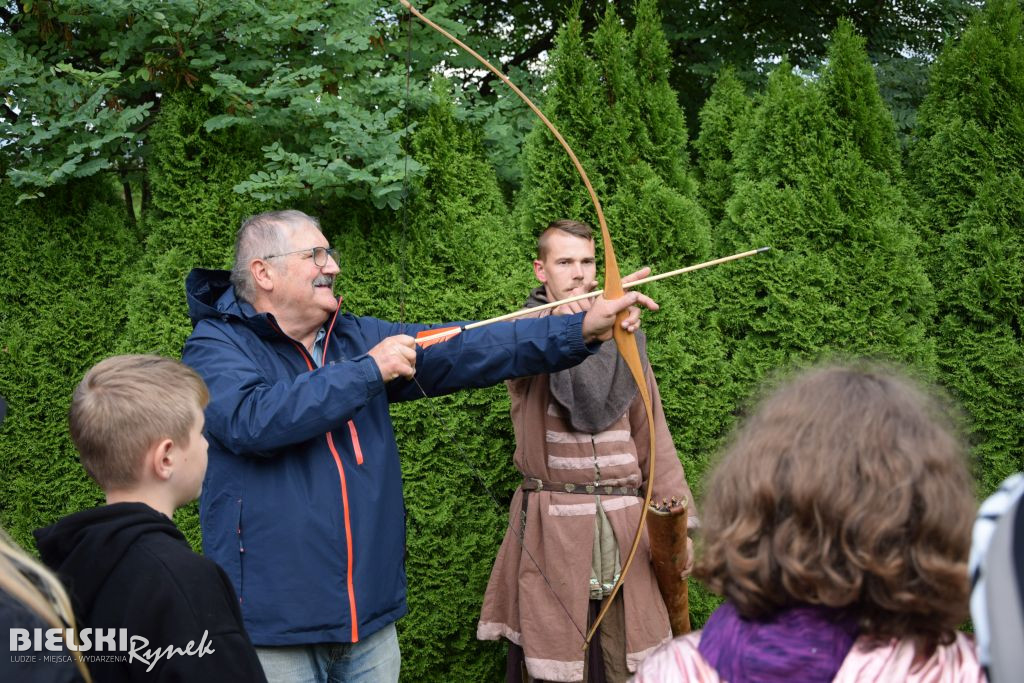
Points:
(433, 409)
(405, 177)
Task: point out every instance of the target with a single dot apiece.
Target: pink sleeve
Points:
(677, 661)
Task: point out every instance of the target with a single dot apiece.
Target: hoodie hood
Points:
(88, 545)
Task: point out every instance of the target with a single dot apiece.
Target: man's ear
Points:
(160, 459)
(262, 274)
(538, 271)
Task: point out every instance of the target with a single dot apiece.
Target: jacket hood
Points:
(85, 547)
(210, 294)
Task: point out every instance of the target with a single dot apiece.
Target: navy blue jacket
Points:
(302, 500)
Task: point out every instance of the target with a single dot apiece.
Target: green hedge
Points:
(844, 275)
(65, 265)
(967, 165)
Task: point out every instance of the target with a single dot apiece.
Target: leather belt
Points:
(534, 484)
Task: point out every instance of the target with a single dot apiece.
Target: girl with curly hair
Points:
(837, 526)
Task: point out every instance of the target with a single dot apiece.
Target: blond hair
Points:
(847, 488)
(124, 405)
(37, 589)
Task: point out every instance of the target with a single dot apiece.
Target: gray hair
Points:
(261, 236)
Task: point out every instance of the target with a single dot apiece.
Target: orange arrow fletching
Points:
(430, 337)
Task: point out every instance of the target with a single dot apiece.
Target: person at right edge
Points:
(582, 446)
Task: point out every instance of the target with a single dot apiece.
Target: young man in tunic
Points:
(586, 425)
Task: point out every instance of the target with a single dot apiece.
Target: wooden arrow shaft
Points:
(595, 293)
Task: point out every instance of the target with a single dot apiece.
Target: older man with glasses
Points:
(302, 501)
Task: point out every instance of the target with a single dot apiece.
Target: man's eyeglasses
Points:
(320, 254)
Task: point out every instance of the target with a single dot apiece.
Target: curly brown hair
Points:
(847, 488)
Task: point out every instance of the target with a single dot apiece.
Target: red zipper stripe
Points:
(355, 442)
(348, 539)
(341, 475)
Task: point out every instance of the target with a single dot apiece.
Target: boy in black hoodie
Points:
(137, 422)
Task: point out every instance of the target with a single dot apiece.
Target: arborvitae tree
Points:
(661, 136)
(967, 167)
(616, 141)
(452, 253)
(453, 228)
(649, 216)
(971, 125)
(724, 113)
(191, 223)
(65, 263)
(596, 104)
(551, 186)
(844, 276)
(851, 90)
(981, 307)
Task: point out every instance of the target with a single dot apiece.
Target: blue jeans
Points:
(373, 660)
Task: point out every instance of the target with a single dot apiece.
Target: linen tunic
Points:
(559, 531)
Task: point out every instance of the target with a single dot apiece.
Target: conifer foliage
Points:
(844, 275)
(968, 167)
(551, 185)
(65, 268)
(851, 90)
(192, 220)
(724, 113)
(629, 135)
(661, 136)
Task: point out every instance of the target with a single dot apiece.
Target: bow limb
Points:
(627, 346)
(624, 341)
(533, 107)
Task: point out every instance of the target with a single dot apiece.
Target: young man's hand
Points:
(577, 306)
